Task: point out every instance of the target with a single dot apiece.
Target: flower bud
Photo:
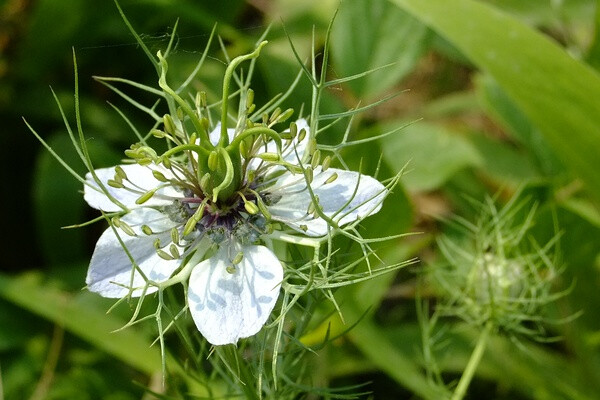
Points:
(115, 184)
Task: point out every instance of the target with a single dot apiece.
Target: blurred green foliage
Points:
(501, 95)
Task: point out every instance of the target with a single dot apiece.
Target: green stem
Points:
(224, 139)
(467, 376)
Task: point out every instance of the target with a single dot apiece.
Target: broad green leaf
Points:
(503, 162)
(431, 153)
(80, 318)
(556, 92)
(372, 33)
(502, 109)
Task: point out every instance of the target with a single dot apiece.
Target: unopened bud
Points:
(166, 162)
(115, 221)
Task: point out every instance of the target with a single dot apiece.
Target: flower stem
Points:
(467, 376)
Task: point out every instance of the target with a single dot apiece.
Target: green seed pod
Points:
(203, 101)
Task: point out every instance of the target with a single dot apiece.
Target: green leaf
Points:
(83, 319)
(556, 92)
(432, 154)
(372, 33)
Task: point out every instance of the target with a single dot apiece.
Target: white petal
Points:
(294, 199)
(140, 176)
(109, 273)
(228, 306)
(215, 135)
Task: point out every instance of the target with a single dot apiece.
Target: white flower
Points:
(171, 230)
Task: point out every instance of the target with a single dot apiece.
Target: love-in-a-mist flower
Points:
(203, 212)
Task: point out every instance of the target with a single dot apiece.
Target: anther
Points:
(147, 230)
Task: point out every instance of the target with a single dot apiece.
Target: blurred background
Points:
(489, 113)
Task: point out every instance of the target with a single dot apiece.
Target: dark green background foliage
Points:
(502, 97)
